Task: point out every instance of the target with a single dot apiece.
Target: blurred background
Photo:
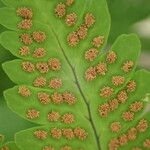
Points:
(132, 16)
(127, 16)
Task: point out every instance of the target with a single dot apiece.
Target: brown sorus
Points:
(40, 134)
(91, 54)
(127, 66)
(128, 116)
(25, 12)
(111, 57)
(101, 68)
(122, 96)
(80, 133)
(42, 67)
(25, 24)
(68, 118)
(82, 32)
(57, 98)
(89, 19)
(39, 82)
(55, 83)
(68, 133)
(60, 10)
(90, 74)
(32, 113)
(53, 116)
(24, 51)
(73, 39)
(24, 91)
(118, 80)
(26, 38)
(69, 98)
(115, 126)
(71, 19)
(28, 66)
(98, 41)
(54, 64)
(106, 92)
(39, 36)
(56, 133)
(44, 98)
(39, 53)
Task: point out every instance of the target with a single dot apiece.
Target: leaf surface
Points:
(63, 76)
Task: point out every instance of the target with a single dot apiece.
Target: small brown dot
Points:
(146, 143)
(101, 68)
(42, 67)
(39, 53)
(113, 104)
(57, 98)
(25, 24)
(24, 51)
(89, 19)
(127, 66)
(68, 118)
(73, 39)
(25, 12)
(54, 64)
(123, 140)
(53, 116)
(106, 92)
(66, 148)
(24, 91)
(111, 57)
(122, 96)
(71, 19)
(68, 133)
(40, 134)
(132, 134)
(128, 116)
(90, 74)
(39, 82)
(115, 127)
(82, 32)
(114, 144)
(104, 109)
(142, 125)
(32, 113)
(69, 98)
(44, 98)
(28, 66)
(98, 41)
(136, 106)
(48, 148)
(55, 83)
(118, 80)
(80, 133)
(26, 38)
(39, 36)
(5, 148)
(60, 10)
(69, 2)
(56, 133)
(91, 54)
(131, 86)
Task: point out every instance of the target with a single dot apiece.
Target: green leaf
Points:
(57, 140)
(140, 99)
(63, 91)
(7, 117)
